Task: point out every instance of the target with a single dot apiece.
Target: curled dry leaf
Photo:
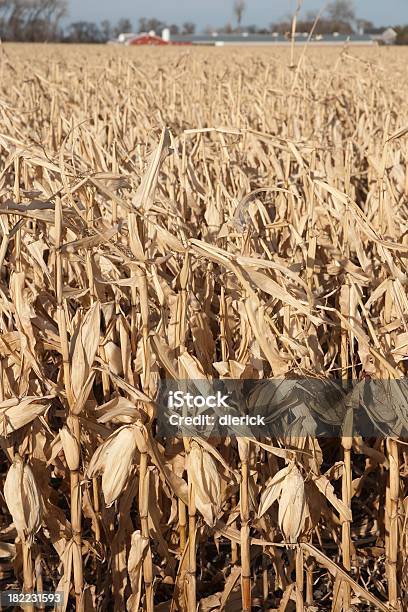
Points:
(273, 491)
(15, 413)
(7, 550)
(144, 196)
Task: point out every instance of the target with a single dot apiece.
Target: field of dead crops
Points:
(203, 214)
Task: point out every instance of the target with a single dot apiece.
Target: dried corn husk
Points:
(139, 547)
(292, 505)
(114, 357)
(205, 477)
(83, 347)
(71, 448)
(114, 460)
(23, 500)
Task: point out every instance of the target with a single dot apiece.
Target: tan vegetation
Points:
(196, 214)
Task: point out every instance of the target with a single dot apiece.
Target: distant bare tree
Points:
(148, 25)
(142, 24)
(31, 20)
(124, 25)
(84, 32)
(106, 30)
(402, 35)
(324, 26)
(364, 25)
(155, 25)
(239, 10)
(341, 10)
(189, 27)
(311, 15)
(227, 29)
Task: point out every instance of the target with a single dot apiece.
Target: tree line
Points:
(41, 20)
(339, 16)
(85, 31)
(31, 20)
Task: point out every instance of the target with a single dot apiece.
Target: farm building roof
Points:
(268, 39)
(243, 39)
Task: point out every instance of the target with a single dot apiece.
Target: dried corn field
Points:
(200, 214)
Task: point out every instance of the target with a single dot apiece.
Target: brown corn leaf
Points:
(144, 197)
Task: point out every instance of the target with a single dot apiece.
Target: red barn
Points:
(147, 39)
(150, 39)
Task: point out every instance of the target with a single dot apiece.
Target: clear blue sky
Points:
(219, 12)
